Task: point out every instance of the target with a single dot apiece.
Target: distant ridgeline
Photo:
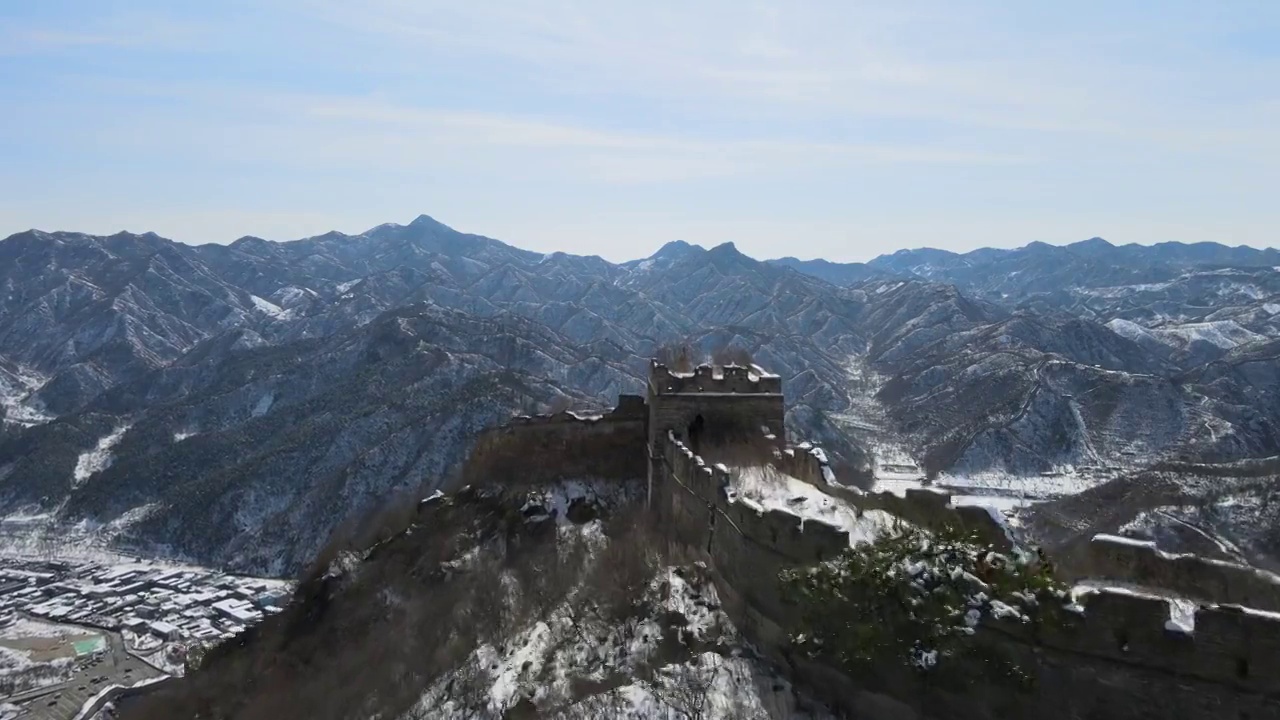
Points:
(1118, 654)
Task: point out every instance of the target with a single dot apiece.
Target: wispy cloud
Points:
(116, 31)
(728, 117)
(974, 65)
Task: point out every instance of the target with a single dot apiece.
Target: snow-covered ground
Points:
(166, 661)
(263, 406)
(1225, 334)
(34, 654)
(97, 459)
(41, 535)
(629, 662)
(555, 500)
(270, 309)
(866, 419)
(17, 387)
(1027, 488)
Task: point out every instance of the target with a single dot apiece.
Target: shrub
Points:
(916, 598)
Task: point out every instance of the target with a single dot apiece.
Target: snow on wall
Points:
(1116, 558)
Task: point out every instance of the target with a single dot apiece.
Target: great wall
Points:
(1118, 653)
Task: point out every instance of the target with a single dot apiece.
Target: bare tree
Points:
(684, 688)
(731, 354)
(680, 356)
(559, 404)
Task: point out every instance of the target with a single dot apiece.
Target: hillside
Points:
(232, 404)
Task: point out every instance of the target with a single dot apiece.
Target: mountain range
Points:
(232, 404)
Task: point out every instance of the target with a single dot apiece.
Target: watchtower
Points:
(711, 401)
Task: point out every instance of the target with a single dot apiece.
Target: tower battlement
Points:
(713, 379)
(1151, 634)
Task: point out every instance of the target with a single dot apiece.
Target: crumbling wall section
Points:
(545, 448)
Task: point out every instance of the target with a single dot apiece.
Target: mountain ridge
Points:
(248, 347)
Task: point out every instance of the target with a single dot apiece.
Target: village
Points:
(71, 628)
(170, 604)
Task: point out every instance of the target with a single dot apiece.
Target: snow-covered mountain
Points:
(234, 403)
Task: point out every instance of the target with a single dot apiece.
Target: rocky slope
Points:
(503, 601)
(233, 404)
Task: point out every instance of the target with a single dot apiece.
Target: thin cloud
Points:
(118, 32)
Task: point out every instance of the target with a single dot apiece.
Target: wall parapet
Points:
(800, 539)
(714, 379)
(1225, 645)
(926, 507)
(630, 408)
(746, 545)
(568, 445)
(1116, 558)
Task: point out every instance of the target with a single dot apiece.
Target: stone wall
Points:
(925, 507)
(1133, 561)
(1115, 656)
(545, 448)
(745, 545)
(731, 402)
(707, 379)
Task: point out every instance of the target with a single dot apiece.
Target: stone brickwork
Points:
(731, 379)
(1117, 655)
(544, 448)
(926, 507)
(1133, 561)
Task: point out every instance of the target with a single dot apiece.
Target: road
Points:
(64, 700)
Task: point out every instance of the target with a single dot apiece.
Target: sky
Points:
(814, 128)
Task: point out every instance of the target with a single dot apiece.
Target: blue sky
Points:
(824, 128)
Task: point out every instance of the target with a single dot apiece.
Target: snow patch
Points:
(17, 388)
(264, 404)
(291, 295)
(97, 459)
(269, 308)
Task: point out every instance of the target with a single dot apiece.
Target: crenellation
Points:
(1239, 646)
(708, 379)
(1117, 644)
(1214, 581)
(1126, 626)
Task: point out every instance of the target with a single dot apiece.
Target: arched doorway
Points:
(694, 434)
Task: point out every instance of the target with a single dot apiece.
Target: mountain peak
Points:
(426, 221)
(675, 248)
(1093, 243)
